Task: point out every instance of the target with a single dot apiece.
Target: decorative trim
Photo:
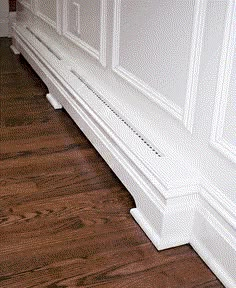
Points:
(12, 20)
(46, 19)
(44, 43)
(152, 94)
(26, 4)
(103, 33)
(222, 93)
(14, 50)
(53, 101)
(82, 44)
(174, 228)
(214, 197)
(59, 17)
(146, 227)
(118, 115)
(55, 24)
(186, 115)
(77, 6)
(97, 54)
(195, 58)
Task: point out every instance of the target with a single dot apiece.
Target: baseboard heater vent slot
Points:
(121, 118)
(43, 42)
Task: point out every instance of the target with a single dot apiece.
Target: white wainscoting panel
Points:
(84, 23)
(4, 20)
(49, 12)
(223, 136)
(157, 48)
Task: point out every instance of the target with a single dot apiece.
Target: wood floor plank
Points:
(64, 215)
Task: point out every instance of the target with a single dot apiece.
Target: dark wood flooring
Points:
(64, 216)
(12, 5)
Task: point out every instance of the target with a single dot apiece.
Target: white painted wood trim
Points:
(217, 140)
(146, 226)
(83, 45)
(151, 93)
(14, 50)
(46, 19)
(54, 102)
(194, 66)
(186, 115)
(116, 34)
(103, 33)
(12, 21)
(55, 24)
(26, 4)
(59, 17)
(97, 54)
(214, 237)
(77, 6)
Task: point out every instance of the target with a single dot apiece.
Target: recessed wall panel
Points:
(83, 21)
(155, 44)
(48, 10)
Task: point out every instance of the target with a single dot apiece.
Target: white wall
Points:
(4, 12)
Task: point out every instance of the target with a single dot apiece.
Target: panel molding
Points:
(54, 24)
(100, 54)
(194, 66)
(27, 5)
(12, 20)
(103, 33)
(186, 115)
(226, 64)
(77, 17)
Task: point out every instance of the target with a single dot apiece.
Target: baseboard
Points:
(55, 104)
(171, 203)
(214, 234)
(216, 263)
(14, 50)
(154, 235)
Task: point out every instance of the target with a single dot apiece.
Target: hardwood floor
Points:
(12, 5)
(64, 216)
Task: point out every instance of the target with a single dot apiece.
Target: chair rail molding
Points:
(97, 54)
(186, 115)
(224, 76)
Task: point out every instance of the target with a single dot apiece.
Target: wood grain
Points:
(64, 216)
